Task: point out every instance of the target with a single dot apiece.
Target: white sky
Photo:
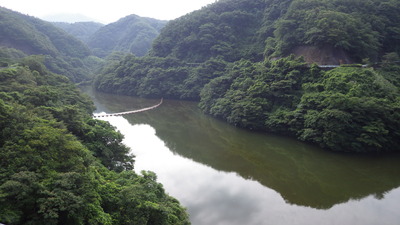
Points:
(107, 11)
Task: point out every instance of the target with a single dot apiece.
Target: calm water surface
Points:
(226, 175)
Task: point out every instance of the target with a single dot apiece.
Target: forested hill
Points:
(362, 29)
(238, 29)
(230, 29)
(234, 56)
(131, 34)
(81, 30)
(63, 53)
(35, 36)
(60, 166)
(197, 47)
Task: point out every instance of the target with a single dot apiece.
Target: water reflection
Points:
(302, 174)
(215, 192)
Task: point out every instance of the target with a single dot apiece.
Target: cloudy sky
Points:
(107, 11)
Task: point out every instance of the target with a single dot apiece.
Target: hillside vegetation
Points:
(234, 56)
(229, 29)
(60, 166)
(363, 29)
(63, 53)
(131, 34)
(345, 109)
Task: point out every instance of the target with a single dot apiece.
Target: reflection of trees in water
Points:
(302, 174)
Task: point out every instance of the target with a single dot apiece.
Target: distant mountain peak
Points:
(68, 18)
(130, 34)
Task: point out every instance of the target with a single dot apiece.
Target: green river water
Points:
(225, 175)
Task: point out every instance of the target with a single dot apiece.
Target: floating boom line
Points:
(129, 112)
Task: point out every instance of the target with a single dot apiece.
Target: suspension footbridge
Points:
(129, 112)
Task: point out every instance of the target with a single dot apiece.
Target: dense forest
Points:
(345, 109)
(131, 34)
(256, 63)
(61, 166)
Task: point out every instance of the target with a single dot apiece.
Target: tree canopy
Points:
(345, 109)
(364, 29)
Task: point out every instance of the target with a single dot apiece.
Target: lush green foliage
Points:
(63, 53)
(131, 34)
(157, 77)
(362, 28)
(60, 166)
(236, 29)
(227, 29)
(248, 91)
(345, 109)
(81, 30)
(9, 55)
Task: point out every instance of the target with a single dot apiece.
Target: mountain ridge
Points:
(130, 34)
(62, 53)
(81, 30)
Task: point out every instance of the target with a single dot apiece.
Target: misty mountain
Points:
(67, 18)
(62, 53)
(131, 34)
(81, 30)
(35, 36)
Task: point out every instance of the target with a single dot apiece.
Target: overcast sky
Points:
(107, 11)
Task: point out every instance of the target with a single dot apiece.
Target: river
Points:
(225, 175)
